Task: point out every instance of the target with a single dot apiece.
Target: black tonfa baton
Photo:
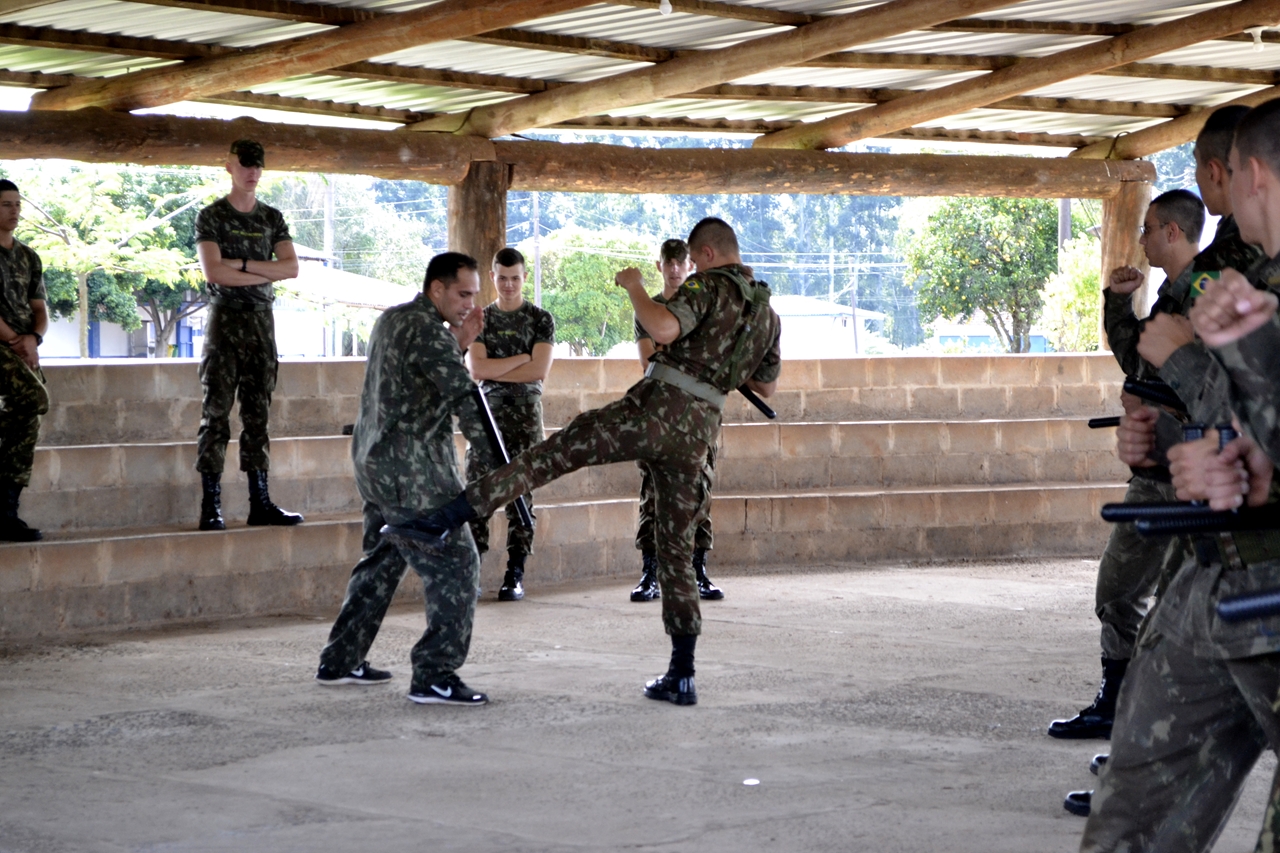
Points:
(757, 402)
(500, 450)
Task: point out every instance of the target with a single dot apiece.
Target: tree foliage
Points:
(1073, 298)
(592, 313)
(988, 257)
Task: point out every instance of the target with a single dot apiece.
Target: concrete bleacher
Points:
(871, 459)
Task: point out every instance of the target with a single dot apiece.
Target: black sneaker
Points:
(1098, 761)
(363, 674)
(679, 691)
(1079, 803)
(447, 691)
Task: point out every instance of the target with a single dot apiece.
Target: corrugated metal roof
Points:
(645, 27)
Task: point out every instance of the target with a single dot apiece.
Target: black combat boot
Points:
(429, 531)
(677, 685)
(1097, 719)
(1079, 803)
(12, 528)
(647, 589)
(513, 581)
(211, 502)
(262, 511)
(706, 589)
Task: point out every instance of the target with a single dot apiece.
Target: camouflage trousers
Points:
(239, 360)
(23, 399)
(449, 582)
(624, 431)
(1188, 730)
(519, 419)
(646, 527)
(1131, 568)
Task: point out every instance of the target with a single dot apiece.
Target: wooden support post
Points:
(1122, 216)
(478, 218)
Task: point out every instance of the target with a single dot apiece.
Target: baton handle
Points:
(1104, 423)
(1254, 605)
(500, 450)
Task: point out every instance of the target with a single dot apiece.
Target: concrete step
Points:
(166, 575)
(149, 484)
(110, 401)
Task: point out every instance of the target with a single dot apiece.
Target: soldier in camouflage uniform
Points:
(720, 333)
(1201, 700)
(405, 464)
(1131, 563)
(675, 265)
(511, 360)
(23, 399)
(236, 237)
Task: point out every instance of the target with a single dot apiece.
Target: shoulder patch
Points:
(692, 284)
(1201, 281)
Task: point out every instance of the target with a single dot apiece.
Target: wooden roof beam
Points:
(102, 136)
(355, 42)
(1151, 140)
(1027, 75)
(707, 67)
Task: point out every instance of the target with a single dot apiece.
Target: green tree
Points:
(87, 222)
(988, 257)
(1073, 298)
(592, 313)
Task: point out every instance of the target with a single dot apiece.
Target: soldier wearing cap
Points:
(236, 238)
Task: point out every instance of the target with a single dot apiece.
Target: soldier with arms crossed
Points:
(23, 398)
(415, 383)
(236, 237)
(511, 360)
(675, 265)
(720, 333)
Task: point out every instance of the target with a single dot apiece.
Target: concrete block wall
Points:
(871, 459)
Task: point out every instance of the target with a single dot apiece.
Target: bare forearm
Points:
(41, 320)
(496, 368)
(654, 317)
(531, 372)
(272, 270)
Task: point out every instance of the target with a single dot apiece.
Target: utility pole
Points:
(537, 255)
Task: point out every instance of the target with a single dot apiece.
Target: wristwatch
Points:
(39, 338)
(244, 265)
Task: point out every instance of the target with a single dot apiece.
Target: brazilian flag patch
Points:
(693, 284)
(1201, 281)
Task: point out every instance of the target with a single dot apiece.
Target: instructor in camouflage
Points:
(511, 360)
(236, 237)
(675, 265)
(405, 464)
(23, 398)
(1200, 702)
(720, 333)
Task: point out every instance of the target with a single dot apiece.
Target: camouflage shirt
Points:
(1187, 610)
(21, 281)
(508, 333)
(712, 311)
(414, 383)
(252, 236)
(1227, 251)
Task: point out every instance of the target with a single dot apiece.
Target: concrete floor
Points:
(881, 709)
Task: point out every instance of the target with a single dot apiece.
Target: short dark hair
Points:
(444, 268)
(1258, 135)
(1214, 141)
(509, 257)
(8, 186)
(674, 249)
(716, 233)
(1183, 207)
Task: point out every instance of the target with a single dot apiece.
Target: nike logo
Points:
(444, 694)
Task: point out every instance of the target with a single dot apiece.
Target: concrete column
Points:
(478, 218)
(1121, 226)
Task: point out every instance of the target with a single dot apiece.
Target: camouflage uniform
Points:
(645, 529)
(516, 406)
(23, 398)
(666, 426)
(405, 464)
(1199, 703)
(1133, 565)
(239, 342)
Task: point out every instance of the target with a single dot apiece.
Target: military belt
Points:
(668, 374)
(239, 304)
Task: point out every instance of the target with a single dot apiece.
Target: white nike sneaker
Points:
(447, 691)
